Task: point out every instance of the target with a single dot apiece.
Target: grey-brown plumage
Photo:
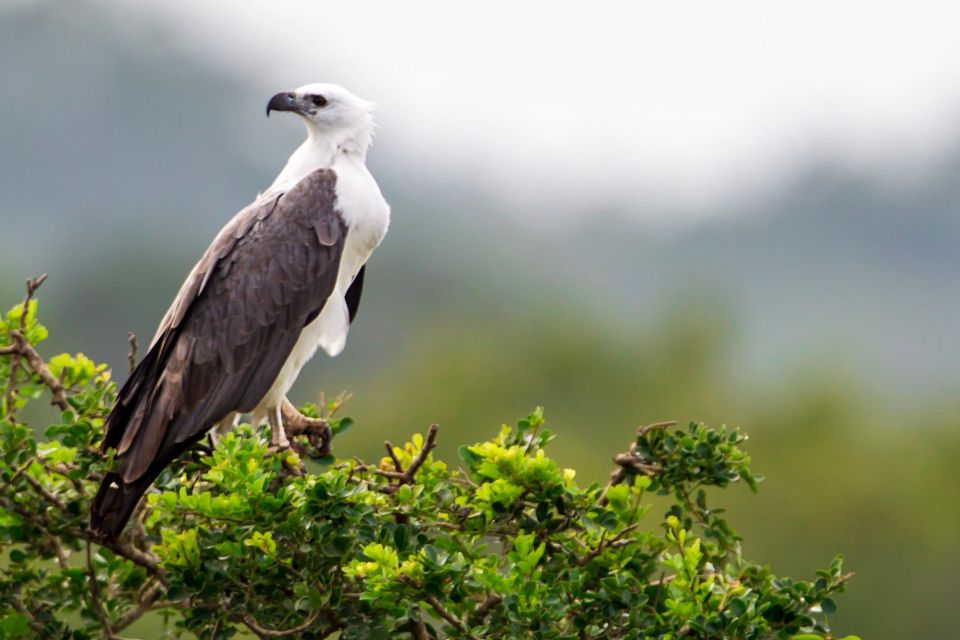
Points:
(226, 336)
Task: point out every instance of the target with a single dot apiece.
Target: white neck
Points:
(321, 150)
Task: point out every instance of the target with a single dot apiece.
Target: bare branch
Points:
(407, 477)
(264, 632)
(39, 367)
(393, 456)
(14, 350)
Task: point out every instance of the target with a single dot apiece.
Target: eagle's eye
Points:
(319, 101)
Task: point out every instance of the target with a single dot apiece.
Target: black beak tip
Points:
(282, 102)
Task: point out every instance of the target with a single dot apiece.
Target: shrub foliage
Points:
(240, 540)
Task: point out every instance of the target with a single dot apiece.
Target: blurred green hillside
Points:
(822, 320)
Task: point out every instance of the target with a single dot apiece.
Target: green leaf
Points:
(15, 625)
(469, 456)
(737, 607)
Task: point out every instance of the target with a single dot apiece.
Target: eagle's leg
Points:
(316, 429)
(278, 435)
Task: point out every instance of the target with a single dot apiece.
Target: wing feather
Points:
(233, 324)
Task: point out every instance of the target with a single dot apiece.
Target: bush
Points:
(239, 539)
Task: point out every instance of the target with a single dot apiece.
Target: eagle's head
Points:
(328, 110)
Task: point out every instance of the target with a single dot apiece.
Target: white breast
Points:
(367, 216)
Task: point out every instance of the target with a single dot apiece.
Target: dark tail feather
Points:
(115, 502)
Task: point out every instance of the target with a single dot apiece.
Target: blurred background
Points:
(741, 212)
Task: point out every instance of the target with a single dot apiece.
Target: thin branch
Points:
(628, 459)
(665, 424)
(95, 603)
(40, 368)
(615, 542)
(393, 456)
(264, 632)
(637, 464)
(132, 356)
(64, 471)
(449, 617)
(49, 497)
(143, 558)
(17, 473)
(147, 603)
(484, 608)
(31, 287)
(62, 558)
(407, 477)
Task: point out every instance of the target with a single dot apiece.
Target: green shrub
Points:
(237, 539)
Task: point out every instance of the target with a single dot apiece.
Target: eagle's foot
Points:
(317, 430)
(278, 435)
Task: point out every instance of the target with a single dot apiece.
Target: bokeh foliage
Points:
(241, 539)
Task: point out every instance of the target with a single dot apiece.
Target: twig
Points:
(628, 459)
(39, 367)
(17, 473)
(642, 431)
(145, 559)
(264, 632)
(407, 477)
(49, 497)
(146, 603)
(637, 464)
(393, 456)
(484, 608)
(32, 285)
(132, 356)
(615, 542)
(96, 605)
(449, 617)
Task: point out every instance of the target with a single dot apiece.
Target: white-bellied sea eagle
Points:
(282, 278)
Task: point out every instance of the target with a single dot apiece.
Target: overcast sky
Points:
(687, 103)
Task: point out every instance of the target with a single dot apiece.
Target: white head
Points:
(331, 113)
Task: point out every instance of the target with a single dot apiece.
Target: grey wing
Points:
(233, 324)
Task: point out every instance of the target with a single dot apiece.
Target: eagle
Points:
(281, 279)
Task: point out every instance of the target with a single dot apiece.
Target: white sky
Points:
(681, 102)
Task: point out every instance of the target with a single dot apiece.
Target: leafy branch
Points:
(508, 546)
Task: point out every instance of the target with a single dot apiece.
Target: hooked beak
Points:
(283, 102)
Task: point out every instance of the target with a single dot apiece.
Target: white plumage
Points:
(338, 137)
